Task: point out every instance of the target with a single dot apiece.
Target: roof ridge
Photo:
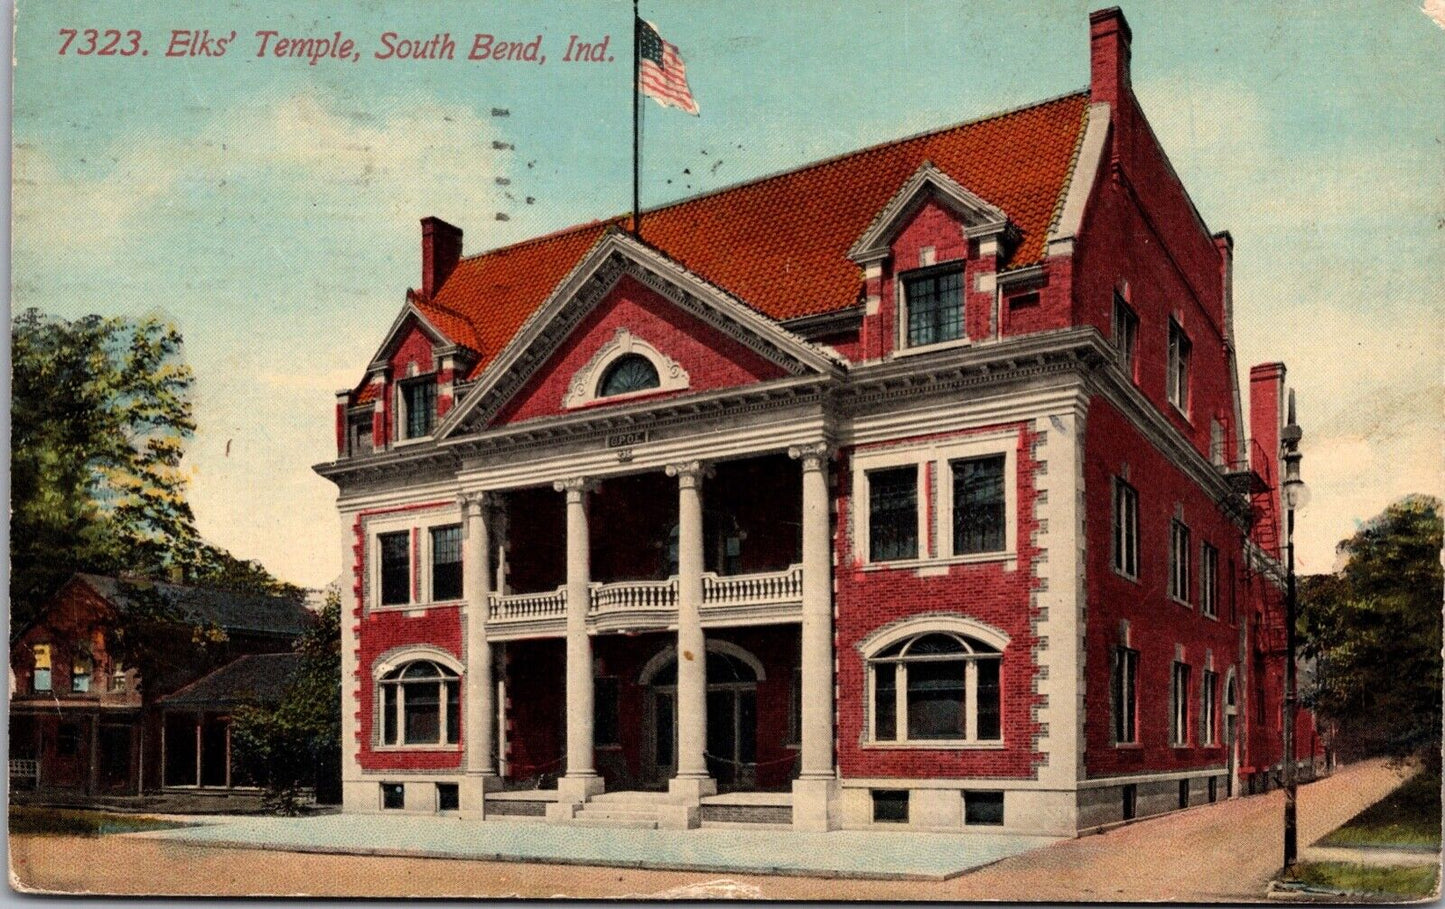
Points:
(802, 168)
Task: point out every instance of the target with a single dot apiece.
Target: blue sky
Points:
(270, 207)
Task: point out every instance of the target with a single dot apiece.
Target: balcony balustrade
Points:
(765, 596)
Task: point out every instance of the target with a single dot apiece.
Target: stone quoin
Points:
(915, 486)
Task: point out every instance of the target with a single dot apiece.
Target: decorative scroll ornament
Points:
(586, 383)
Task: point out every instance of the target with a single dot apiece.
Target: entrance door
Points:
(732, 727)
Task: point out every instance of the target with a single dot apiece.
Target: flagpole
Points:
(636, 123)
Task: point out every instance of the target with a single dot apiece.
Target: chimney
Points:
(1266, 419)
(441, 247)
(1224, 243)
(1109, 39)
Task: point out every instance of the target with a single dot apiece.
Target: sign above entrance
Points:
(628, 439)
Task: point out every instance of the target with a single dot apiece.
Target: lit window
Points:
(1209, 580)
(419, 403)
(1126, 695)
(80, 669)
(420, 705)
(395, 568)
(934, 303)
(1208, 731)
(1179, 726)
(446, 563)
(936, 687)
(1126, 333)
(1126, 529)
(630, 373)
(1179, 562)
(893, 514)
(1179, 348)
(978, 505)
(40, 678)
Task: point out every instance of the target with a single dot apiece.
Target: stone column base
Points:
(578, 789)
(815, 804)
(472, 794)
(690, 790)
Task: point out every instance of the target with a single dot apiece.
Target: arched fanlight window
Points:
(631, 372)
(722, 668)
(936, 686)
(420, 705)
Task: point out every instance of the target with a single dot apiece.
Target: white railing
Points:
(621, 596)
(720, 591)
(23, 769)
(753, 589)
(518, 607)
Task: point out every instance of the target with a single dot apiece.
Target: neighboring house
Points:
(79, 720)
(196, 721)
(930, 460)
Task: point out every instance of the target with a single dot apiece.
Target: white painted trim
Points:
(915, 625)
(1081, 183)
(668, 654)
(584, 387)
(981, 218)
(410, 653)
(862, 466)
(943, 481)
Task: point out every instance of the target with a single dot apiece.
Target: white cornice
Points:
(980, 217)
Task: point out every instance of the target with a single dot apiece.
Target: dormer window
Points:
(628, 374)
(418, 399)
(933, 306)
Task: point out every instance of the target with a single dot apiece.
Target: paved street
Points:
(1226, 851)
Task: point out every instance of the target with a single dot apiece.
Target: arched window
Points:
(420, 705)
(936, 686)
(630, 372)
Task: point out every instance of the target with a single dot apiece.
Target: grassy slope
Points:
(1409, 816)
(1417, 880)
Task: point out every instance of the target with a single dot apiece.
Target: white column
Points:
(815, 790)
(581, 779)
(479, 767)
(692, 780)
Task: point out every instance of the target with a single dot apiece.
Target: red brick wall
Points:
(868, 599)
(1157, 622)
(712, 359)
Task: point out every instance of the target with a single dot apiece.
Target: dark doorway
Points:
(732, 722)
(215, 753)
(115, 758)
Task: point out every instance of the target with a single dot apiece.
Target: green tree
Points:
(100, 417)
(297, 743)
(1374, 628)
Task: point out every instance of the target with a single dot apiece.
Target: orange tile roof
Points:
(780, 243)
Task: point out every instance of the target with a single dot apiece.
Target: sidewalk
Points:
(892, 855)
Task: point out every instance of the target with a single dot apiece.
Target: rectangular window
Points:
(393, 796)
(1126, 333)
(1179, 726)
(934, 303)
(419, 398)
(446, 563)
(885, 702)
(890, 806)
(1209, 580)
(1179, 349)
(1126, 529)
(989, 728)
(1208, 728)
(448, 797)
(80, 669)
(1179, 562)
(605, 722)
(1126, 695)
(360, 435)
(389, 694)
(395, 567)
(936, 707)
(893, 514)
(978, 505)
(984, 808)
(40, 678)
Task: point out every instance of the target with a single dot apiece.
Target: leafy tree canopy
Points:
(100, 417)
(1375, 629)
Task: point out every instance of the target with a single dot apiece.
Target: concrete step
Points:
(618, 814)
(584, 820)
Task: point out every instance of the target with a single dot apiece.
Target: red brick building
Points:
(929, 459)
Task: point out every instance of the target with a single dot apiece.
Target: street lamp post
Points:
(1295, 496)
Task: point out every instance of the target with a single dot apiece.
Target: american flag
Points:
(661, 75)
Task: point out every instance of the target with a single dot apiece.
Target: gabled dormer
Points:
(929, 262)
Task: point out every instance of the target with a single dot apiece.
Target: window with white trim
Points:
(1209, 694)
(1208, 580)
(1179, 700)
(446, 563)
(40, 674)
(936, 687)
(978, 505)
(629, 373)
(1126, 529)
(81, 668)
(1125, 686)
(1179, 561)
(395, 567)
(418, 399)
(420, 704)
(1178, 376)
(893, 513)
(933, 305)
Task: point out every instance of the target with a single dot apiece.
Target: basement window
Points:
(983, 808)
(393, 796)
(448, 797)
(890, 806)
